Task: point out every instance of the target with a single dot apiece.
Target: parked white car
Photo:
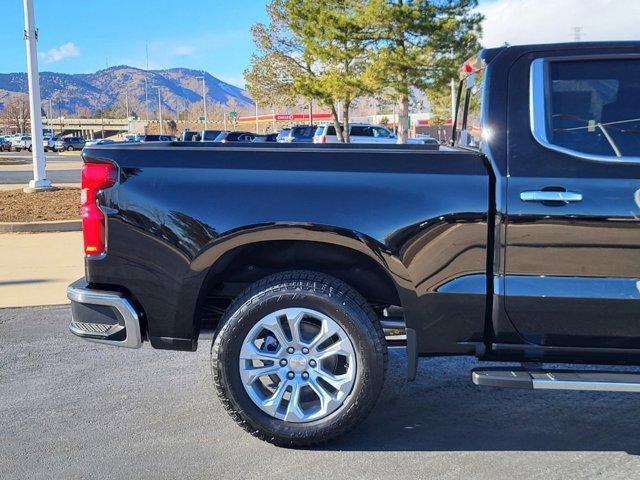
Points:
(23, 143)
(358, 133)
(98, 141)
(49, 143)
(365, 133)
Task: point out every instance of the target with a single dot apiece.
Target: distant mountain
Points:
(81, 94)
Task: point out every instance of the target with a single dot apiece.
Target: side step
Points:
(557, 379)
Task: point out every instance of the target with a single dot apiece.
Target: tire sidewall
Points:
(343, 310)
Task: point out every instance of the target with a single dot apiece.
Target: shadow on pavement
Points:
(5, 283)
(443, 411)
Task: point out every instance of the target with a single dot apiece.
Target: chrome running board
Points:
(586, 380)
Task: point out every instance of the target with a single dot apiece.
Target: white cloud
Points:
(67, 50)
(544, 21)
(235, 80)
(182, 50)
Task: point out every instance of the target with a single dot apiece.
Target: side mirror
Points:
(392, 136)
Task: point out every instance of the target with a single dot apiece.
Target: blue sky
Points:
(81, 36)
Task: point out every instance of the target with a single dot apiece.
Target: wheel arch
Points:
(226, 268)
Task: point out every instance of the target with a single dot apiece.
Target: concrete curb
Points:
(73, 153)
(41, 227)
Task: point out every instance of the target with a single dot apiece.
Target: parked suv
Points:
(298, 134)
(283, 133)
(23, 143)
(358, 133)
(69, 144)
(5, 145)
(226, 137)
(49, 143)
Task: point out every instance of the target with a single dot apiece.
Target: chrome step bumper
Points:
(103, 316)
(585, 380)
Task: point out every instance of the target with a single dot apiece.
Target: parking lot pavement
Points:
(35, 268)
(17, 169)
(56, 176)
(71, 409)
(27, 156)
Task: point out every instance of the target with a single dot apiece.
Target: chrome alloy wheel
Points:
(297, 365)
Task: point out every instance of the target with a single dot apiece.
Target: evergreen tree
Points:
(335, 44)
(310, 49)
(418, 44)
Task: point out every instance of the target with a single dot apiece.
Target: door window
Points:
(587, 108)
(381, 132)
(361, 131)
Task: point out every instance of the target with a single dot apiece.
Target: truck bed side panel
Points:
(421, 215)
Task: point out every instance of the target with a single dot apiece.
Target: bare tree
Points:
(15, 114)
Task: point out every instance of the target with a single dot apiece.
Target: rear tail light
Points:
(95, 177)
(323, 139)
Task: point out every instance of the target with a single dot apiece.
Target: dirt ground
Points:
(17, 206)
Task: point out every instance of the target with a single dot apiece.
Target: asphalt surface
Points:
(20, 175)
(56, 176)
(71, 409)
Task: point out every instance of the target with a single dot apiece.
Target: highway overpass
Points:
(94, 127)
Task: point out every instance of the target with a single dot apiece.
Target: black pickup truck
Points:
(518, 243)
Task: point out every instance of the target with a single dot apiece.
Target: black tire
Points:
(322, 293)
(31, 149)
(70, 148)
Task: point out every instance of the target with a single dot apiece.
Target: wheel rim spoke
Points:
(342, 383)
(272, 323)
(251, 375)
(341, 347)
(251, 352)
(328, 330)
(327, 401)
(294, 318)
(271, 404)
(294, 412)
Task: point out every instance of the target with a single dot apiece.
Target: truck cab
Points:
(558, 124)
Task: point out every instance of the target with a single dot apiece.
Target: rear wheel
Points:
(299, 359)
(70, 148)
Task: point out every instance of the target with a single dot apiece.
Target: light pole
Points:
(204, 97)
(146, 97)
(126, 106)
(40, 181)
(158, 87)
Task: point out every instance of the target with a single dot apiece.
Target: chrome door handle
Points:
(550, 196)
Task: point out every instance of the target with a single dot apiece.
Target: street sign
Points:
(233, 115)
(202, 119)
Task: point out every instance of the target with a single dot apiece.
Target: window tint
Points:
(210, 134)
(361, 131)
(381, 132)
(302, 132)
(331, 130)
(594, 106)
(284, 133)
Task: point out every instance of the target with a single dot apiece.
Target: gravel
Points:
(71, 409)
(61, 204)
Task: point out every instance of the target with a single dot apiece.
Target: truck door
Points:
(572, 259)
